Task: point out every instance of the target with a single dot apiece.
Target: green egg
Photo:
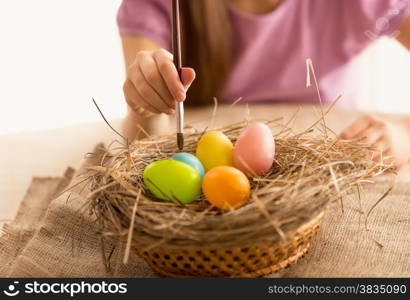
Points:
(172, 180)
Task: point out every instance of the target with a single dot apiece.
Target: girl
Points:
(256, 50)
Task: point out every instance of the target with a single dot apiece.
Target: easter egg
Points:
(226, 187)
(254, 150)
(172, 180)
(191, 160)
(214, 149)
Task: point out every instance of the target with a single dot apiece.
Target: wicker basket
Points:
(251, 261)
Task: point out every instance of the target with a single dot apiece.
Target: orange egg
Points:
(226, 187)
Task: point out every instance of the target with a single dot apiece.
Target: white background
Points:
(57, 54)
(54, 56)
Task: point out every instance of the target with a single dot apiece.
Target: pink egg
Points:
(254, 150)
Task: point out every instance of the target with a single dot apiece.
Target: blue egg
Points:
(191, 160)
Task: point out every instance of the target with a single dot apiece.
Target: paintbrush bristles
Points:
(180, 141)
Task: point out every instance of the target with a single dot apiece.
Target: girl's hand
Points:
(153, 83)
(391, 138)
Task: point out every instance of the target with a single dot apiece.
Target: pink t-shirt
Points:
(271, 49)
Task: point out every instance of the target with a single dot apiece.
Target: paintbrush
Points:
(176, 49)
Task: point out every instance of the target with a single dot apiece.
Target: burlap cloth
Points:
(50, 237)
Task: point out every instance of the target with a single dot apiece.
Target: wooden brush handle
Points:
(176, 35)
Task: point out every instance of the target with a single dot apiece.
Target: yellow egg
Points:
(215, 149)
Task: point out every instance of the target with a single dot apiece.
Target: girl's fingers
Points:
(154, 79)
(357, 127)
(170, 75)
(147, 94)
(372, 135)
(388, 157)
(147, 105)
(134, 100)
(153, 82)
(382, 145)
(188, 76)
(130, 94)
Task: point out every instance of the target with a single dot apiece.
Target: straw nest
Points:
(309, 172)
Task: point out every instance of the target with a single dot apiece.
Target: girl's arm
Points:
(151, 88)
(391, 138)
